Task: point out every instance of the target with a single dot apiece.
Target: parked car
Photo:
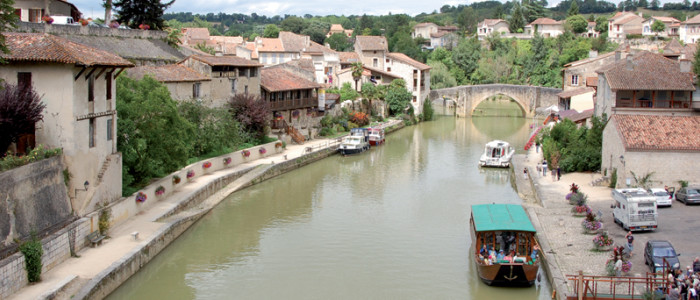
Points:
(656, 251)
(688, 195)
(663, 198)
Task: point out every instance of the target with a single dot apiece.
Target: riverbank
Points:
(566, 248)
(98, 271)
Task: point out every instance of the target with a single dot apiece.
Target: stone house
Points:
(672, 26)
(577, 99)
(645, 83)
(292, 97)
(271, 51)
(624, 23)
(689, 31)
(423, 30)
(77, 84)
(674, 50)
(33, 10)
(338, 28)
(183, 82)
(195, 36)
(444, 39)
(491, 26)
(230, 75)
(578, 73)
(326, 61)
(546, 27)
(590, 31)
(665, 145)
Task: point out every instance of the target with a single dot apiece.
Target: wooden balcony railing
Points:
(293, 103)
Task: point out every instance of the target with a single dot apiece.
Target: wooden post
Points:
(580, 285)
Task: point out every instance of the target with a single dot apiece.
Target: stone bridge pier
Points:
(464, 99)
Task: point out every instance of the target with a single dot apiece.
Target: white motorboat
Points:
(497, 153)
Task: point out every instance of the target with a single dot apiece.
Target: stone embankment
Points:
(98, 271)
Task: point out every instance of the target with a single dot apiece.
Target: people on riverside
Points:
(544, 168)
(696, 265)
(630, 243)
(618, 267)
(525, 173)
(558, 173)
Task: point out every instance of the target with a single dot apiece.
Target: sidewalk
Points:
(67, 278)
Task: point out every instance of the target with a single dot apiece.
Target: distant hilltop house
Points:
(671, 27)
(77, 84)
(33, 11)
(436, 36)
(624, 23)
(689, 31)
(337, 28)
(491, 26)
(590, 31)
(545, 27)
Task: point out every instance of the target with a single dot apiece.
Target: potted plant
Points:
(141, 197)
(580, 211)
(176, 179)
(578, 199)
(262, 150)
(83, 22)
(590, 224)
(144, 27)
(206, 165)
(227, 161)
(160, 190)
(47, 19)
(603, 242)
(278, 145)
(190, 175)
(245, 153)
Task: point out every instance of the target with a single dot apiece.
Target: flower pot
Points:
(596, 231)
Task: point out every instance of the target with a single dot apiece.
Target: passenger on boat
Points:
(509, 258)
(483, 251)
(535, 249)
(500, 255)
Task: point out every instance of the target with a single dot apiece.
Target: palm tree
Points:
(356, 72)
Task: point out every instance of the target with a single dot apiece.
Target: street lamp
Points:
(86, 184)
(622, 159)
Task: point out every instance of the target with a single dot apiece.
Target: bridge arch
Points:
(474, 109)
(467, 97)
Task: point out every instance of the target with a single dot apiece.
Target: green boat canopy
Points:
(501, 217)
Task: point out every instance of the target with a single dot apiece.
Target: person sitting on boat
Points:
(492, 255)
(535, 249)
(483, 251)
(500, 255)
(508, 258)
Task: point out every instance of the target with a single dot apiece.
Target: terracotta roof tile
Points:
(592, 81)
(546, 21)
(277, 79)
(666, 19)
(371, 43)
(226, 61)
(168, 73)
(379, 71)
(268, 45)
(39, 47)
(659, 133)
(490, 22)
(693, 20)
(647, 71)
(407, 60)
(624, 19)
(195, 33)
(292, 42)
(424, 25)
(337, 28)
(576, 116)
(448, 28)
(348, 57)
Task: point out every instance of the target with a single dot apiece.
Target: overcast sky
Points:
(93, 8)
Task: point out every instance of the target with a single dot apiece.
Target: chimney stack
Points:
(686, 65)
(618, 55)
(629, 64)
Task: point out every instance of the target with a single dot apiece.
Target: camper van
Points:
(634, 209)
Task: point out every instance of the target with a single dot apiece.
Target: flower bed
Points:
(581, 211)
(278, 145)
(245, 153)
(141, 197)
(603, 241)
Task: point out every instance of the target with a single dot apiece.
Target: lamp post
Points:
(86, 184)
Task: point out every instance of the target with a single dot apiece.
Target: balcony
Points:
(277, 105)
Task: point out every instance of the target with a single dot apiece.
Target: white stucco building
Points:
(671, 26)
(76, 82)
(491, 26)
(690, 30)
(34, 10)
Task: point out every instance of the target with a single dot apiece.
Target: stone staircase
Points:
(103, 170)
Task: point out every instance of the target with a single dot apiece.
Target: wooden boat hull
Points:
(508, 274)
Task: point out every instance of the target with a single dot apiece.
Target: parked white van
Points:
(63, 20)
(634, 209)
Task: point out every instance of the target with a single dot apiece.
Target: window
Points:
(233, 86)
(108, 85)
(574, 80)
(375, 62)
(242, 72)
(414, 98)
(246, 90)
(91, 89)
(253, 72)
(387, 60)
(195, 90)
(35, 15)
(388, 69)
(91, 132)
(110, 131)
(24, 80)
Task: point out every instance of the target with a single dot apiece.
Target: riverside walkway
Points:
(70, 279)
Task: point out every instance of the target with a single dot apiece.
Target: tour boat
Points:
(504, 227)
(497, 153)
(376, 136)
(356, 142)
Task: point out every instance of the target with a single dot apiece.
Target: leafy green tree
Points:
(315, 34)
(215, 129)
(8, 21)
(339, 42)
(357, 70)
(293, 24)
(136, 12)
(573, 9)
(20, 109)
(153, 138)
(402, 42)
(271, 31)
(468, 20)
(601, 24)
(657, 27)
(440, 76)
(466, 55)
(642, 3)
(347, 92)
(517, 20)
(696, 65)
(654, 5)
(577, 23)
(398, 98)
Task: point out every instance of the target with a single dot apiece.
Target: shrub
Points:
(578, 199)
(104, 218)
(32, 251)
(325, 131)
(252, 113)
(10, 161)
(428, 111)
(20, 109)
(613, 179)
(359, 118)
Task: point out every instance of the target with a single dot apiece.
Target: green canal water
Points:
(388, 224)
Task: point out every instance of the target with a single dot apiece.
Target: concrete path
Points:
(63, 280)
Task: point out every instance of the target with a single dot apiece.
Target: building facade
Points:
(491, 26)
(671, 27)
(229, 76)
(184, 83)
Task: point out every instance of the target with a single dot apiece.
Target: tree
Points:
(642, 3)
(398, 98)
(315, 34)
(215, 129)
(338, 42)
(271, 31)
(658, 26)
(357, 70)
(467, 20)
(293, 24)
(152, 137)
(696, 65)
(601, 24)
(517, 21)
(107, 4)
(136, 12)
(577, 23)
(8, 19)
(440, 76)
(654, 5)
(20, 109)
(251, 113)
(466, 55)
(573, 9)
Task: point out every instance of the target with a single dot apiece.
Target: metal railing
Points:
(607, 287)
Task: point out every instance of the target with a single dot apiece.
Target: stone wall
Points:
(468, 97)
(89, 30)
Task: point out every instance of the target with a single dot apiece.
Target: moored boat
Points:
(353, 144)
(504, 246)
(376, 136)
(497, 153)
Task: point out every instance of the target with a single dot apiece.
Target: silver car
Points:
(663, 198)
(688, 195)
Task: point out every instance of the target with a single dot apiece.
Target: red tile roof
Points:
(348, 57)
(693, 20)
(647, 71)
(658, 133)
(592, 81)
(546, 21)
(379, 71)
(490, 22)
(39, 47)
(407, 60)
(576, 116)
(225, 61)
(424, 25)
(371, 43)
(626, 18)
(168, 73)
(278, 79)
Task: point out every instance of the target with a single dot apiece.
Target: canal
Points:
(391, 223)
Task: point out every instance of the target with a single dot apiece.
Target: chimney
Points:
(618, 55)
(629, 64)
(592, 54)
(686, 65)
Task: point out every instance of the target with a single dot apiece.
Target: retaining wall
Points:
(89, 30)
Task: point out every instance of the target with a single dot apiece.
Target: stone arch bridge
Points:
(464, 99)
